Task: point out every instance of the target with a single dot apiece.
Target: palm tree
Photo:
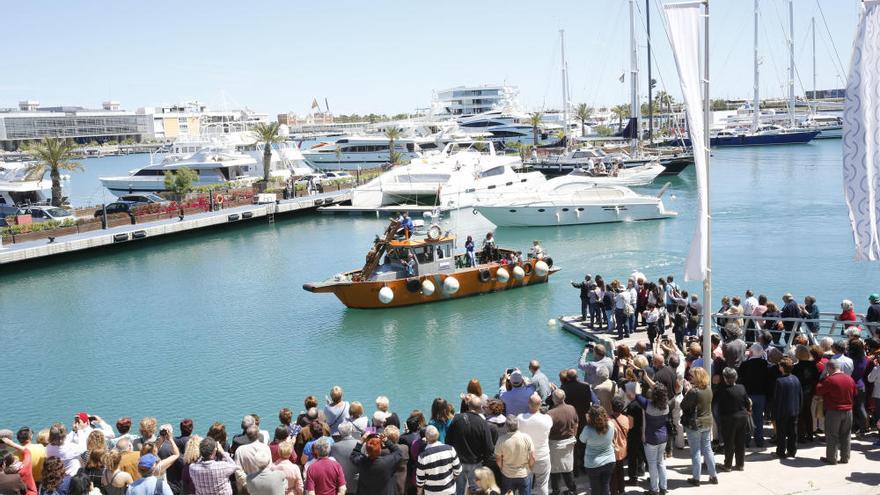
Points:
(53, 155)
(535, 119)
(267, 133)
(583, 113)
(622, 112)
(393, 133)
(664, 98)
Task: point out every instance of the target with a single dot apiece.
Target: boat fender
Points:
(386, 295)
(549, 261)
(541, 269)
(485, 275)
(450, 286)
(427, 288)
(519, 273)
(502, 275)
(413, 285)
(218, 199)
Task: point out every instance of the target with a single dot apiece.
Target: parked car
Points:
(315, 178)
(119, 207)
(10, 211)
(345, 176)
(145, 198)
(46, 213)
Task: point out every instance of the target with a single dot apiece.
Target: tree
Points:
(523, 149)
(583, 113)
(718, 105)
(535, 119)
(181, 181)
(664, 98)
(267, 133)
(393, 133)
(622, 112)
(655, 108)
(53, 155)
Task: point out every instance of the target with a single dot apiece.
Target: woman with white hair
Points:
(847, 314)
(754, 375)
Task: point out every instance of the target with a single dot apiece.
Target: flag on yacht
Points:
(684, 20)
(861, 135)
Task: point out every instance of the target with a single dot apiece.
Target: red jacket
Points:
(838, 390)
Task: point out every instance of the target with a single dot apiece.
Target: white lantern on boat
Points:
(428, 288)
(502, 275)
(541, 269)
(518, 272)
(386, 295)
(450, 286)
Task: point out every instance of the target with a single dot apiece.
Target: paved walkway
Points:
(765, 474)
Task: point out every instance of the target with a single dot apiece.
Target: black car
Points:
(119, 207)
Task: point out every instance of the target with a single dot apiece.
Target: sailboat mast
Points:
(634, 75)
(813, 29)
(756, 103)
(564, 89)
(650, 81)
(707, 282)
(791, 101)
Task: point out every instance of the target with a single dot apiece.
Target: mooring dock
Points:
(575, 326)
(125, 234)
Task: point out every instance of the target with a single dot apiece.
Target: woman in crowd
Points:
(696, 418)
(856, 351)
(80, 484)
(754, 376)
(440, 417)
(190, 456)
(733, 409)
(217, 431)
(655, 437)
(114, 480)
(486, 484)
(53, 477)
(474, 388)
(599, 460)
(290, 470)
(806, 372)
(357, 419)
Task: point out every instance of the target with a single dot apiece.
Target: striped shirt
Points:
(436, 469)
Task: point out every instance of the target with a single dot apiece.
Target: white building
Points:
(471, 100)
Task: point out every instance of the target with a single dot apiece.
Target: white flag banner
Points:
(861, 135)
(684, 21)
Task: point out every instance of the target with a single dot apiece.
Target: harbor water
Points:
(215, 325)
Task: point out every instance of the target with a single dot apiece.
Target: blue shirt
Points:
(600, 450)
(147, 486)
(516, 400)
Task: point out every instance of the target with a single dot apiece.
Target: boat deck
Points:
(575, 326)
(357, 210)
(43, 248)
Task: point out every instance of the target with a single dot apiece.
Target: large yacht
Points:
(17, 187)
(231, 159)
(452, 179)
(352, 152)
(509, 126)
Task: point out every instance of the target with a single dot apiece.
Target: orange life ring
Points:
(218, 199)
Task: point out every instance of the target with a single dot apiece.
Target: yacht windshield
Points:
(58, 212)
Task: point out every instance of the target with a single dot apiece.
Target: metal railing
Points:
(827, 325)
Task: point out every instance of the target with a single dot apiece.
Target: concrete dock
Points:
(126, 234)
(575, 326)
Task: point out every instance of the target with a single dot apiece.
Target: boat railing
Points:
(827, 325)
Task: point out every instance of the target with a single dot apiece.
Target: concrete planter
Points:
(150, 217)
(193, 210)
(32, 236)
(88, 227)
(118, 220)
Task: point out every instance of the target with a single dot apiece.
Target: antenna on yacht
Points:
(564, 89)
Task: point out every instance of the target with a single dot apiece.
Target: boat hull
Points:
(472, 281)
(801, 137)
(555, 215)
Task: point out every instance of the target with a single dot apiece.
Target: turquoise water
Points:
(216, 325)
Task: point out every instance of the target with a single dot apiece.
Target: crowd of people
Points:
(622, 417)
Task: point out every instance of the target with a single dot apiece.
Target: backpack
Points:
(619, 440)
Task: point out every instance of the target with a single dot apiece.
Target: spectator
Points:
(733, 409)
(438, 466)
(838, 390)
(515, 455)
(599, 460)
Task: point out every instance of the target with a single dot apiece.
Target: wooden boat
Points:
(438, 274)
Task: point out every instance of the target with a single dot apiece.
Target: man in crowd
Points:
(324, 476)
(210, 475)
(62, 446)
(590, 367)
(537, 426)
(437, 467)
(470, 436)
(585, 297)
(516, 400)
(539, 379)
(581, 396)
(562, 442)
(340, 451)
(130, 458)
(837, 390)
(242, 438)
(515, 455)
(787, 399)
(147, 484)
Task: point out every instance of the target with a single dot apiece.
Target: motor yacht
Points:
(453, 178)
(615, 175)
(17, 187)
(353, 152)
(563, 203)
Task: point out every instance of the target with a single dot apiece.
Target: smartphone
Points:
(371, 430)
(510, 370)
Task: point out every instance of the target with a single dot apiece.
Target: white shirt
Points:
(537, 427)
(749, 305)
(622, 299)
(69, 453)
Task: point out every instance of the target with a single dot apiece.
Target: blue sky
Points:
(382, 56)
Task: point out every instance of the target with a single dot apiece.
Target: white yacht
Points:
(352, 152)
(829, 126)
(232, 158)
(509, 126)
(455, 178)
(599, 174)
(18, 188)
(564, 203)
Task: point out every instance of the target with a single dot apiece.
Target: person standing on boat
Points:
(469, 249)
(407, 224)
(489, 248)
(536, 251)
(586, 289)
(410, 265)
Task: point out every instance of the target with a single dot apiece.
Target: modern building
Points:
(471, 100)
(32, 122)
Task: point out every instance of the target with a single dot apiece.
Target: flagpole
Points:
(707, 282)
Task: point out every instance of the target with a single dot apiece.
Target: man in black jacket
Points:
(469, 435)
(788, 398)
(585, 297)
(581, 396)
(733, 409)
